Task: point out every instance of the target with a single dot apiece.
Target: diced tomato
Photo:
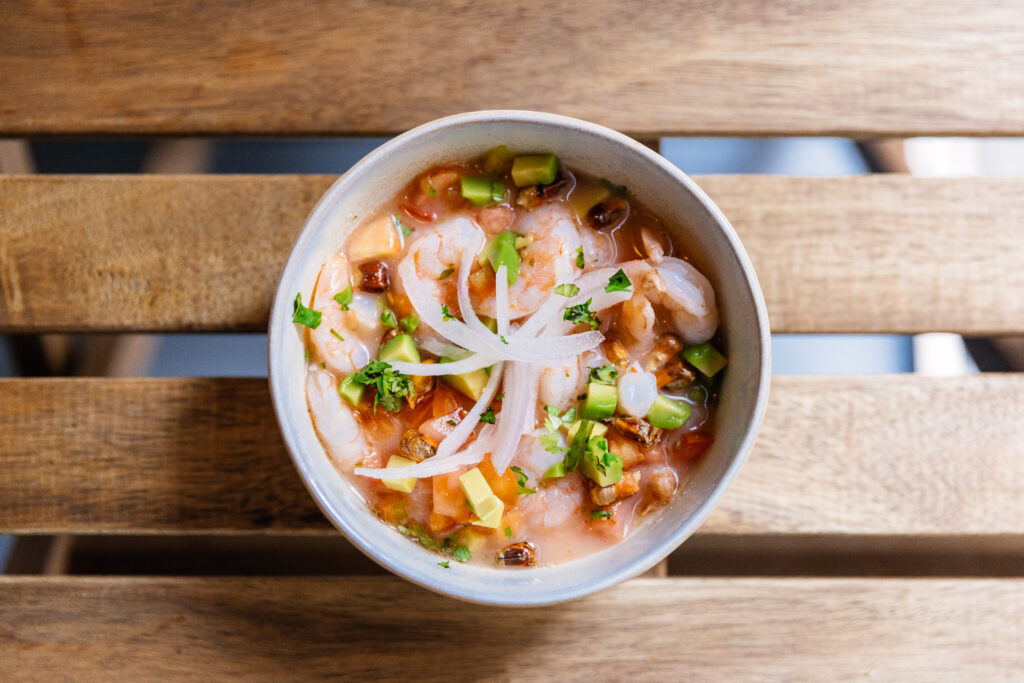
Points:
(504, 486)
(449, 500)
(444, 401)
(440, 522)
(693, 444)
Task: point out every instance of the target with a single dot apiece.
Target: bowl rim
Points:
(282, 303)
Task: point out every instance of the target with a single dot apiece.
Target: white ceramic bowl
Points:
(693, 220)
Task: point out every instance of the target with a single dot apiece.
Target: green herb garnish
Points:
(550, 443)
(445, 273)
(604, 374)
(414, 530)
(598, 513)
(445, 313)
(387, 319)
(579, 258)
(335, 333)
(451, 423)
(444, 564)
(508, 532)
(410, 322)
(305, 316)
(521, 479)
(401, 227)
(503, 340)
(391, 386)
(461, 553)
(579, 443)
(488, 416)
(344, 297)
(612, 187)
(618, 282)
(580, 314)
(567, 290)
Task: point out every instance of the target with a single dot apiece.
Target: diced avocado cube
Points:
(599, 465)
(503, 253)
(668, 414)
(535, 169)
(400, 347)
(477, 191)
(487, 507)
(497, 159)
(491, 512)
(705, 358)
(600, 401)
(350, 390)
(570, 434)
(405, 485)
(469, 383)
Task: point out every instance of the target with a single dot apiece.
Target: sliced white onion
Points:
(431, 467)
(439, 348)
(474, 241)
(637, 391)
(473, 362)
(460, 434)
(501, 300)
(551, 305)
(510, 423)
(531, 382)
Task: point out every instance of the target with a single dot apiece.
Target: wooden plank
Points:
(858, 254)
(875, 456)
(383, 629)
(790, 67)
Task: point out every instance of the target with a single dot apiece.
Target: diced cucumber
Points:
(503, 253)
(535, 169)
(477, 190)
(350, 390)
(705, 358)
(400, 347)
(668, 414)
(600, 401)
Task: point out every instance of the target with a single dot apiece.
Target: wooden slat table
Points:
(878, 528)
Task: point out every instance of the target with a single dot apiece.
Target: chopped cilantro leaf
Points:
(551, 410)
(521, 479)
(604, 374)
(344, 297)
(461, 553)
(401, 227)
(444, 564)
(305, 316)
(387, 319)
(570, 415)
(598, 513)
(323, 364)
(445, 313)
(499, 396)
(503, 340)
(508, 532)
(445, 273)
(579, 442)
(579, 258)
(615, 189)
(410, 322)
(391, 386)
(451, 423)
(618, 282)
(432, 191)
(414, 530)
(550, 443)
(552, 423)
(567, 290)
(335, 333)
(580, 314)
(488, 416)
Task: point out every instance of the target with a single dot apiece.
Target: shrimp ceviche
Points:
(511, 362)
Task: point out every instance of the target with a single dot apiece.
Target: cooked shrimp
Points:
(681, 290)
(555, 237)
(344, 339)
(560, 382)
(334, 421)
(555, 503)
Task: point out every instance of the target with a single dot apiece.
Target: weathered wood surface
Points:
(385, 629)
(877, 456)
(290, 67)
(859, 254)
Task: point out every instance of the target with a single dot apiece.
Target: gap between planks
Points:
(883, 254)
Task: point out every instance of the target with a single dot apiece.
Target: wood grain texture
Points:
(385, 629)
(856, 254)
(876, 456)
(773, 68)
